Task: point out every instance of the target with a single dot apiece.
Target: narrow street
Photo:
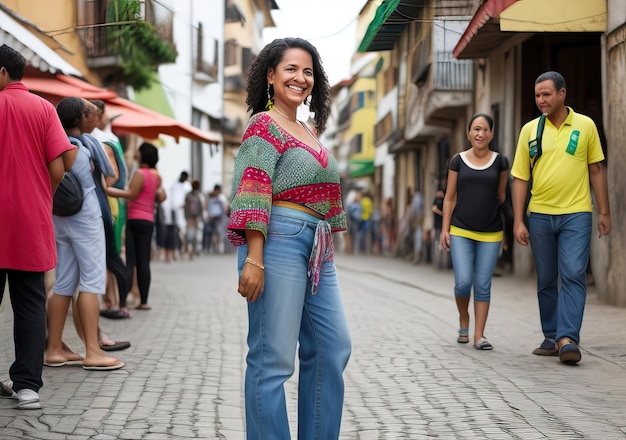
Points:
(407, 378)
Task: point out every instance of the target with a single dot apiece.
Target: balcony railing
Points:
(450, 73)
(97, 41)
(383, 129)
(96, 35)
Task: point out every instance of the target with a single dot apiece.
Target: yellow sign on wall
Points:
(554, 16)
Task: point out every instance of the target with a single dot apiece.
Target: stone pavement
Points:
(407, 378)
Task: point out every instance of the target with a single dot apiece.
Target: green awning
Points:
(361, 167)
(154, 98)
(386, 8)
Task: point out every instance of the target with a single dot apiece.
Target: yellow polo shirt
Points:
(561, 174)
(367, 207)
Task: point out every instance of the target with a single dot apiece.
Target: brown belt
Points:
(297, 206)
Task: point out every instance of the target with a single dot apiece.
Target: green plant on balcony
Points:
(138, 44)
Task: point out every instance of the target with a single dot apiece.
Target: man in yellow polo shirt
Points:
(562, 162)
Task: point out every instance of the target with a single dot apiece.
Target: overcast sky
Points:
(330, 25)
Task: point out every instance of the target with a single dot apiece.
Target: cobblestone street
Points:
(407, 377)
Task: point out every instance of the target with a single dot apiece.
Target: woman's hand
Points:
(251, 282)
(444, 240)
(253, 275)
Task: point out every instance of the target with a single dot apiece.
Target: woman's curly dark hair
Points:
(269, 57)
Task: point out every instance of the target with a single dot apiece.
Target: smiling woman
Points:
(334, 34)
(472, 226)
(286, 206)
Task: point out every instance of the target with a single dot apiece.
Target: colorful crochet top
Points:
(272, 165)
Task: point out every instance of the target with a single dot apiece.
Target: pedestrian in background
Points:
(195, 205)
(472, 227)
(34, 154)
(111, 213)
(217, 207)
(570, 157)
(282, 218)
(176, 200)
(171, 243)
(376, 234)
(367, 206)
(113, 147)
(416, 221)
(144, 191)
(81, 248)
(355, 215)
(389, 226)
(437, 210)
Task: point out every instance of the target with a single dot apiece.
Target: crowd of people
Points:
(88, 247)
(190, 221)
(477, 213)
(281, 219)
(374, 228)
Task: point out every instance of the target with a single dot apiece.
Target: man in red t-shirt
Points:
(34, 154)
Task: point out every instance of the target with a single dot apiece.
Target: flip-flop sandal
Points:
(114, 314)
(463, 337)
(63, 363)
(483, 344)
(117, 366)
(119, 345)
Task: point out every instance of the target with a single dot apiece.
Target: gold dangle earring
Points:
(270, 99)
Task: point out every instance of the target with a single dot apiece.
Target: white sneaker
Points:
(28, 399)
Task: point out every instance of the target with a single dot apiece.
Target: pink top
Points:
(31, 137)
(142, 208)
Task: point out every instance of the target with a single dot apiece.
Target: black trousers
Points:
(115, 264)
(138, 247)
(28, 300)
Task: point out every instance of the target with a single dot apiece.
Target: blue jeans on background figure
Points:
(364, 228)
(560, 245)
(473, 263)
(418, 244)
(285, 315)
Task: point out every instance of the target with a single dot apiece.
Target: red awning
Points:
(488, 10)
(149, 124)
(134, 118)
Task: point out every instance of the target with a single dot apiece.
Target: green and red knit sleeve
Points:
(252, 183)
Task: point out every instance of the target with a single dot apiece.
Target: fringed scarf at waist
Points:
(323, 250)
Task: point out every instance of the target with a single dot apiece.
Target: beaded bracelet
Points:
(254, 263)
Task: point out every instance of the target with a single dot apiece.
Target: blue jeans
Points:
(560, 246)
(364, 228)
(288, 314)
(473, 263)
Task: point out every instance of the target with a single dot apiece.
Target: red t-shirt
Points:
(31, 136)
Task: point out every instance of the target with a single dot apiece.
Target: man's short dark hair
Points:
(555, 77)
(70, 111)
(13, 61)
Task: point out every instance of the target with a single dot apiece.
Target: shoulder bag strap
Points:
(540, 126)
